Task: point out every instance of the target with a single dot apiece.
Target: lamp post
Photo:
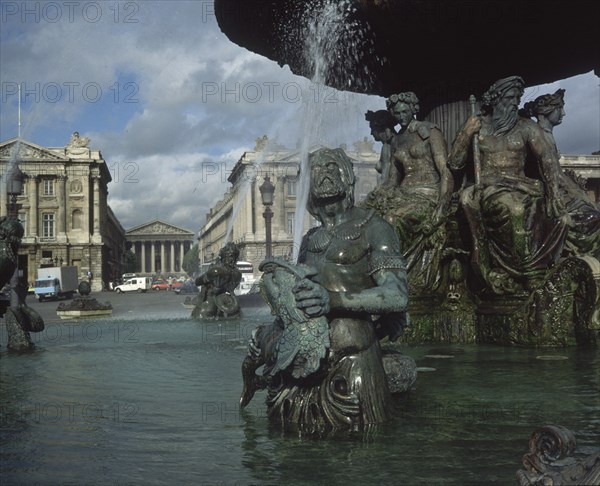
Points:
(14, 187)
(267, 189)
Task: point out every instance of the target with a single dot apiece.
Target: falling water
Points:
(245, 186)
(335, 46)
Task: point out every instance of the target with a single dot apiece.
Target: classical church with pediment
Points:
(64, 210)
(159, 247)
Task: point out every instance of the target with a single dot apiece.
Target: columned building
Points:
(63, 208)
(243, 199)
(159, 247)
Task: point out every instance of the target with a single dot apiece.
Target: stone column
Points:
(143, 251)
(62, 206)
(153, 256)
(172, 256)
(163, 267)
(33, 206)
(96, 196)
(181, 253)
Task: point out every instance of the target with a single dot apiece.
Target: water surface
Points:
(153, 400)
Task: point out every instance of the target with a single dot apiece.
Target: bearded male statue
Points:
(322, 358)
(517, 223)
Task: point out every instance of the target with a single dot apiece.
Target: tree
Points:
(131, 262)
(191, 260)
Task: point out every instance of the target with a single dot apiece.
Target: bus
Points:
(248, 278)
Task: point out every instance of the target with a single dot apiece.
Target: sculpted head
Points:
(380, 121)
(502, 100)
(331, 179)
(548, 106)
(229, 254)
(403, 107)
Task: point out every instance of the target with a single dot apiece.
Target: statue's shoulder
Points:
(424, 128)
(527, 124)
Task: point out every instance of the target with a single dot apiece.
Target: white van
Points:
(139, 284)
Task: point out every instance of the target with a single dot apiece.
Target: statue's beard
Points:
(504, 118)
(328, 190)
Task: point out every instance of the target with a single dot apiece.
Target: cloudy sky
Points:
(172, 103)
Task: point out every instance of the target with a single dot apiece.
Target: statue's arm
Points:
(460, 148)
(439, 153)
(549, 169)
(385, 162)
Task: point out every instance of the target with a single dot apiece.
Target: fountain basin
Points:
(152, 397)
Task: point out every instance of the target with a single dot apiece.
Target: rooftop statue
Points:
(323, 362)
(517, 224)
(216, 297)
(584, 233)
(416, 190)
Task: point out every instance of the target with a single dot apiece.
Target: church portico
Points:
(160, 247)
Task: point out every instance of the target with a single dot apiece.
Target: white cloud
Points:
(198, 100)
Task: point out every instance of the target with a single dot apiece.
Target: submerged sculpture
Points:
(84, 305)
(20, 318)
(323, 361)
(551, 460)
(216, 297)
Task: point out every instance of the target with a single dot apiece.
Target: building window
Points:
(291, 187)
(48, 187)
(290, 222)
(76, 219)
(23, 220)
(48, 225)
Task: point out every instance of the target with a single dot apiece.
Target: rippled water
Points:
(154, 401)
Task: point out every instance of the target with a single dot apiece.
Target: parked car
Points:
(138, 284)
(160, 286)
(186, 288)
(176, 285)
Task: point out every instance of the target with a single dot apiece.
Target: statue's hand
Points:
(472, 125)
(558, 211)
(312, 298)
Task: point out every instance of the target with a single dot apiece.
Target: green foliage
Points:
(131, 262)
(191, 260)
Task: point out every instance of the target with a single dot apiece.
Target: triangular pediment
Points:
(24, 151)
(158, 227)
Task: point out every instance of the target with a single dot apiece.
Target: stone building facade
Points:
(64, 210)
(238, 217)
(159, 247)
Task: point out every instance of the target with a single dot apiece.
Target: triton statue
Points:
(216, 297)
(323, 362)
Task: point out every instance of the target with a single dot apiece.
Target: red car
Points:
(160, 286)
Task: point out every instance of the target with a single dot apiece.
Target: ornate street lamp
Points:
(14, 187)
(266, 194)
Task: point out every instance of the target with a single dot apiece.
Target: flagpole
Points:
(19, 130)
